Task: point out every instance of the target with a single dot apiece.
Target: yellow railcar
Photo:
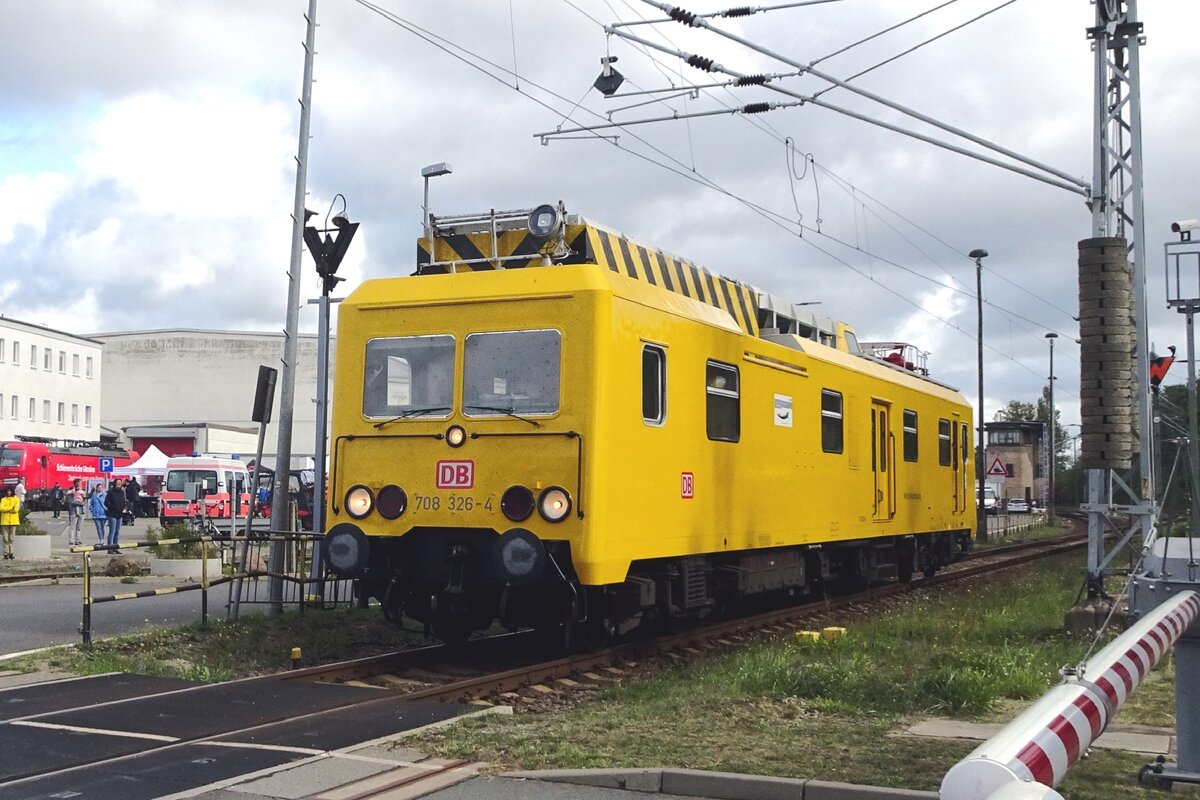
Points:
(554, 426)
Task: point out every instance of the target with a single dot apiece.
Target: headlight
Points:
(455, 436)
(517, 503)
(392, 502)
(554, 504)
(359, 501)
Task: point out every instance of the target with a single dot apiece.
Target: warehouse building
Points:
(50, 383)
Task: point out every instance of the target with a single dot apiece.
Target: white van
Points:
(221, 480)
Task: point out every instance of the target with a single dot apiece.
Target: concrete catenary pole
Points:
(287, 396)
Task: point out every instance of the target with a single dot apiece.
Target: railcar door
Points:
(881, 462)
(957, 466)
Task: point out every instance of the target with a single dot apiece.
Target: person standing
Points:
(75, 501)
(133, 492)
(96, 507)
(10, 518)
(56, 500)
(114, 509)
(19, 490)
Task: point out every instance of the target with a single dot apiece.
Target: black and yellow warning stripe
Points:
(589, 244)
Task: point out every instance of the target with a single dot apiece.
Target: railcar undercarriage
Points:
(456, 582)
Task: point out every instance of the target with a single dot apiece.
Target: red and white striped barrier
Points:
(1038, 747)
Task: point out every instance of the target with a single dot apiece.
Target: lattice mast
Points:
(1117, 209)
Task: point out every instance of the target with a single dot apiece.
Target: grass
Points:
(835, 711)
(252, 645)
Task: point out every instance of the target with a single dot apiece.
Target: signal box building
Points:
(49, 383)
(1016, 462)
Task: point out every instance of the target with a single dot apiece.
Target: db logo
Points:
(687, 486)
(455, 474)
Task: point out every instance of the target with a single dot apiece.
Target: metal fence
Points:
(1003, 525)
(241, 564)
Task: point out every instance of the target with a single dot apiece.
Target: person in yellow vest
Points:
(10, 518)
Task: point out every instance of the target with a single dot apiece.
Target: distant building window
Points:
(654, 385)
(944, 448)
(16, 359)
(1012, 473)
(32, 410)
(1005, 437)
(910, 435)
(47, 356)
(62, 413)
(75, 364)
(62, 361)
(45, 411)
(74, 413)
(33, 356)
(3, 351)
(723, 402)
(833, 436)
(13, 411)
(89, 366)
(87, 414)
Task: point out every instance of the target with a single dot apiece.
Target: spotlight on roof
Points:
(544, 221)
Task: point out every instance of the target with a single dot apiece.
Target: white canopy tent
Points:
(152, 462)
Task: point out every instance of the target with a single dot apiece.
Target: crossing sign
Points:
(998, 468)
(106, 465)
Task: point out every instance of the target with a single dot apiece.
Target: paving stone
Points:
(312, 777)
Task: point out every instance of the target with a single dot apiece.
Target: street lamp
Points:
(1053, 452)
(431, 171)
(981, 460)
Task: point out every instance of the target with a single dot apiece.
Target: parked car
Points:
(1017, 506)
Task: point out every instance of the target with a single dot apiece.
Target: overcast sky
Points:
(147, 157)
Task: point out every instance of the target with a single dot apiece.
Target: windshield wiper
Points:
(412, 412)
(506, 411)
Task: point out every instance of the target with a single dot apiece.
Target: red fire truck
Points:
(46, 463)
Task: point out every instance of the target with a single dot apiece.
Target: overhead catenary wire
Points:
(675, 167)
(1070, 181)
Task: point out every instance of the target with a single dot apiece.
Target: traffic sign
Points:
(106, 464)
(997, 468)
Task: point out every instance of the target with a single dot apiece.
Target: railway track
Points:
(514, 669)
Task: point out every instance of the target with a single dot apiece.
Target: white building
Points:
(49, 383)
(183, 376)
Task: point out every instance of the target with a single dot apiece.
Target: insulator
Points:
(682, 15)
(751, 80)
(1106, 353)
(756, 108)
(700, 62)
(740, 11)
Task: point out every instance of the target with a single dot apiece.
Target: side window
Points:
(723, 402)
(965, 441)
(832, 428)
(910, 435)
(654, 385)
(944, 448)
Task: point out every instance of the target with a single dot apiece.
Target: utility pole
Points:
(287, 397)
(1050, 337)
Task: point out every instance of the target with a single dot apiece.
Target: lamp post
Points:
(980, 459)
(431, 171)
(1053, 451)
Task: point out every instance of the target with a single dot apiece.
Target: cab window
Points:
(512, 372)
(410, 376)
(654, 385)
(722, 402)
